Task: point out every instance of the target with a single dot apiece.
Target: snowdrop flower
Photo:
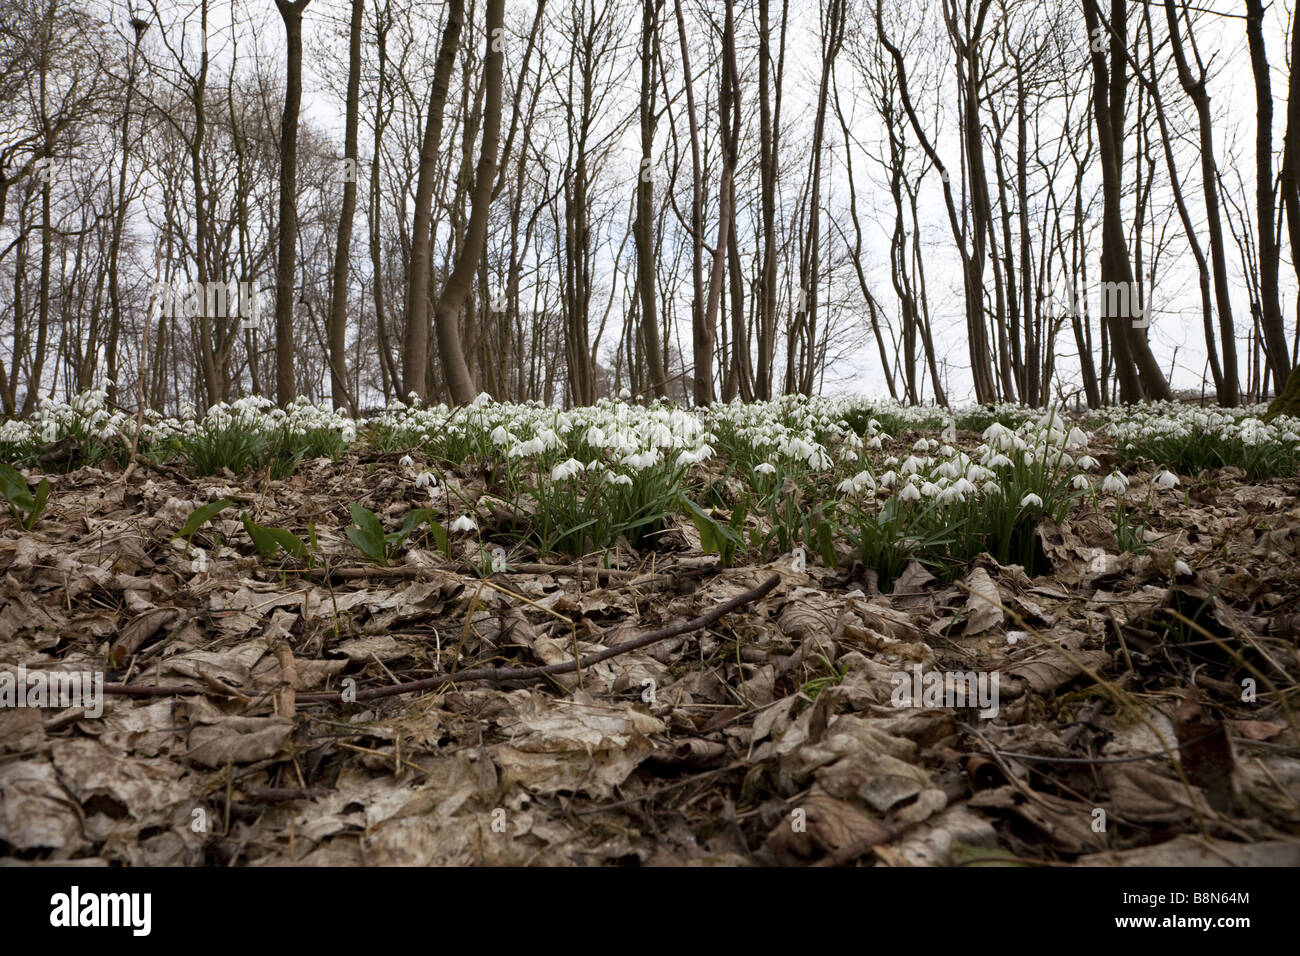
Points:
(1080, 482)
(1087, 462)
(642, 460)
(1031, 500)
(1077, 438)
(818, 458)
(921, 445)
(406, 461)
(998, 461)
(1182, 570)
(992, 488)
(464, 523)
(997, 434)
(500, 436)
(534, 446)
(426, 479)
(1165, 479)
(911, 465)
(847, 487)
(624, 480)
(909, 492)
(566, 470)
(874, 443)
(1115, 483)
(765, 468)
(595, 437)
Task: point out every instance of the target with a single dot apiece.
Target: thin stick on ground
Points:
(501, 675)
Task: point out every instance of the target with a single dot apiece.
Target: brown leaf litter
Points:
(1145, 702)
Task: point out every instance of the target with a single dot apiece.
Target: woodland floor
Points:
(770, 736)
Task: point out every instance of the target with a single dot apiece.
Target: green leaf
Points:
(42, 496)
(414, 519)
(201, 516)
(715, 538)
(262, 540)
(289, 542)
(368, 535)
(440, 537)
(826, 543)
(21, 500)
(268, 540)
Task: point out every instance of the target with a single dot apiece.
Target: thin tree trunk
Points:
(285, 267)
(415, 348)
(336, 328)
(644, 228)
(1265, 198)
(447, 315)
(1229, 392)
(701, 333)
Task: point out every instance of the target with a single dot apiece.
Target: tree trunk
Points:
(1135, 366)
(1229, 392)
(415, 347)
(701, 332)
(644, 227)
(1265, 198)
(447, 315)
(285, 387)
(336, 329)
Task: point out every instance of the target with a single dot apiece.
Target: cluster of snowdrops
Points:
(843, 478)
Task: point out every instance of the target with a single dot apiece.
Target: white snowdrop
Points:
(1165, 480)
(566, 470)
(1114, 483)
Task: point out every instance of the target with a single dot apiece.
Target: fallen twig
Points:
(500, 675)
